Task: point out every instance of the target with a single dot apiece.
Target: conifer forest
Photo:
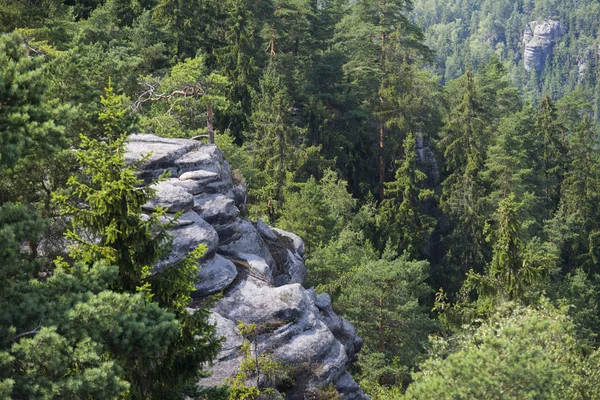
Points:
(440, 160)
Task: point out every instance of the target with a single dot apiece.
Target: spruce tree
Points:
(464, 142)
(374, 35)
(402, 213)
(110, 227)
(553, 145)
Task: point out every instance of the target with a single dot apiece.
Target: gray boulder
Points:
(294, 270)
(216, 208)
(295, 240)
(160, 154)
(253, 302)
(215, 275)
(173, 198)
(246, 239)
(254, 265)
(230, 357)
(265, 230)
(189, 236)
(206, 157)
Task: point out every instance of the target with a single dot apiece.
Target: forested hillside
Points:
(563, 54)
(446, 191)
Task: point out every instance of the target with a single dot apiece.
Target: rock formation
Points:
(590, 55)
(539, 38)
(259, 269)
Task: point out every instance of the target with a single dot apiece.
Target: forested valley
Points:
(440, 160)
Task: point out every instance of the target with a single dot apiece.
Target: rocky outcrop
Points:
(590, 55)
(259, 269)
(539, 38)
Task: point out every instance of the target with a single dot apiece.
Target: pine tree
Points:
(275, 141)
(25, 120)
(575, 225)
(240, 60)
(373, 35)
(382, 299)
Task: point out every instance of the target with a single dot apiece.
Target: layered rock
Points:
(259, 269)
(539, 38)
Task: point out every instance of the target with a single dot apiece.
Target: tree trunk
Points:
(381, 159)
(209, 124)
(382, 124)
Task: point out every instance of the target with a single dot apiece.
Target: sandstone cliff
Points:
(539, 38)
(259, 269)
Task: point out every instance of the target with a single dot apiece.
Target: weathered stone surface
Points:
(249, 302)
(215, 275)
(246, 239)
(259, 268)
(256, 266)
(201, 176)
(206, 157)
(239, 194)
(265, 230)
(162, 153)
(187, 237)
(216, 208)
(173, 198)
(296, 241)
(539, 38)
(230, 357)
(294, 270)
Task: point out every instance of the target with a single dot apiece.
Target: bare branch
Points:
(195, 91)
(20, 336)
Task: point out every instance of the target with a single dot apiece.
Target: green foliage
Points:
(113, 212)
(299, 87)
(184, 101)
(402, 212)
(519, 353)
(553, 158)
(318, 211)
(26, 119)
(267, 372)
(382, 299)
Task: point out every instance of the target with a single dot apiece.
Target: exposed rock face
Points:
(539, 38)
(259, 268)
(587, 56)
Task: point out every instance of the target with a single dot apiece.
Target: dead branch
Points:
(20, 336)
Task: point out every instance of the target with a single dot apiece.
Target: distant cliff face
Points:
(259, 269)
(539, 38)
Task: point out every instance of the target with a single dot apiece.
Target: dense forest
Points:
(447, 193)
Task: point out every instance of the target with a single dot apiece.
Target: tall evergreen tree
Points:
(111, 228)
(402, 213)
(373, 36)
(575, 225)
(275, 138)
(464, 142)
(552, 141)
(382, 298)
